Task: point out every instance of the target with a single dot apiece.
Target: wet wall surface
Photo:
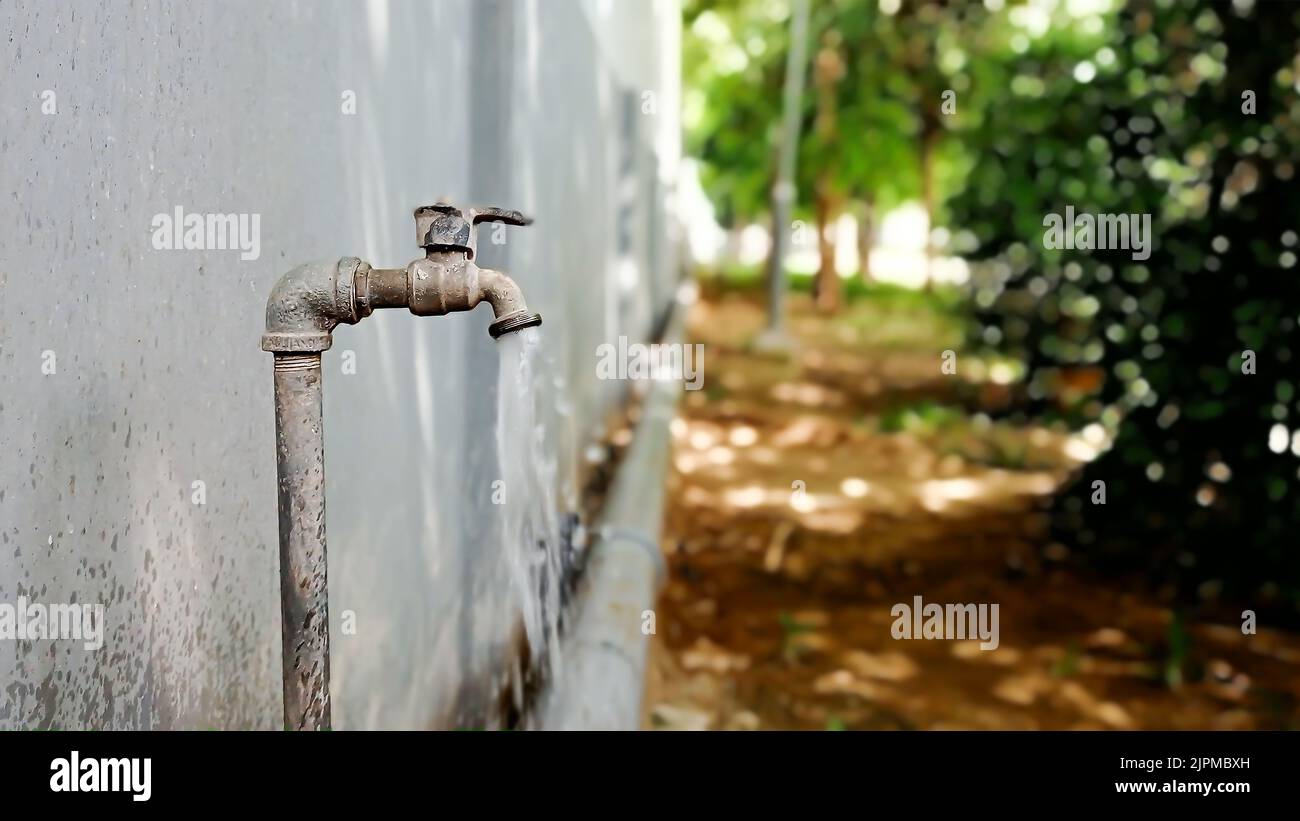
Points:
(136, 426)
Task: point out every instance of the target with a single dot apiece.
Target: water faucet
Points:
(303, 310)
(311, 300)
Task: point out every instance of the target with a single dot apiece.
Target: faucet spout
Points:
(507, 301)
(447, 281)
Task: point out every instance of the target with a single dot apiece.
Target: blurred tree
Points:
(828, 72)
(1145, 112)
(875, 132)
(1182, 110)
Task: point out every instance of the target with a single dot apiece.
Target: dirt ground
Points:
(813, 491)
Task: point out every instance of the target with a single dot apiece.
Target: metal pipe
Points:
(304, 608)
(601, 683)
(388, 288)
(303, 310)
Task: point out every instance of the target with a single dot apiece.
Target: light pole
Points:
(783, 192)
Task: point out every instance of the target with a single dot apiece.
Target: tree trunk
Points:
(826, 286)
(866, 237)
(828, 70)
(929, 139)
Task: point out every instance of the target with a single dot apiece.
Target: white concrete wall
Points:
(159, 382)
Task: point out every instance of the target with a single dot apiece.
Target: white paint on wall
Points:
(235, 107)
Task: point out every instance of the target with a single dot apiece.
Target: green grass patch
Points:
(920, 417)
(941, 298)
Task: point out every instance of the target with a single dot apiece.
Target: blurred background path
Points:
(811, 492)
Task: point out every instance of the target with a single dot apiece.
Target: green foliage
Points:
(791, 630)
(733, 58)
(1068, 664)
(1179, 651)
(890, 73)
(943, 301)
(1194, 490)
(919, 417)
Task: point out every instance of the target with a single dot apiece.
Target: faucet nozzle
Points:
(514, 322)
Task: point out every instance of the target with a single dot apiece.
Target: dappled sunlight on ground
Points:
(811, 492)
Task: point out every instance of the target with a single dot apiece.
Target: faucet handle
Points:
(494, 214)
(445, 227)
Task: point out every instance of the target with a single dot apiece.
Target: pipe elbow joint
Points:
(309, 302)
